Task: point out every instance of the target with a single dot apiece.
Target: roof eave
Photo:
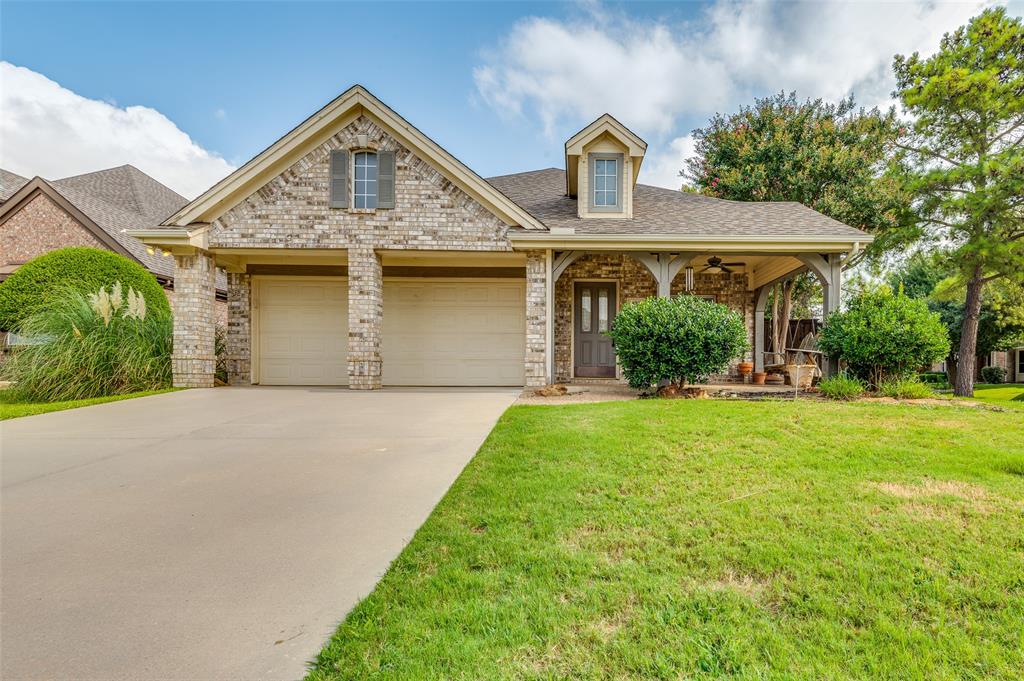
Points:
(706, 242)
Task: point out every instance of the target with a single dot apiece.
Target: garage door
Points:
(303, 331)
(454, 332)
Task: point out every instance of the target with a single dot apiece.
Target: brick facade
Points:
(365, 318)
(291, 211)
(193, 358)
(238, 329)
(38, 227)
(536, 318)
(635, 282)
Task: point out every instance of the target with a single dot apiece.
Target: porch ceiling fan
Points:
(716, 266)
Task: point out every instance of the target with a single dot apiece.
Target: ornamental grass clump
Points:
(681, 339)
(842, 387)
(91, 345)
(905, 388)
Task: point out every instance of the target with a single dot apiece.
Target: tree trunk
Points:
(951, 369)
(782, 330)
(964, 386)
(775, 320)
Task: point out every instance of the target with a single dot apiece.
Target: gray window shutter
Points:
(339, 179)
(385, 179)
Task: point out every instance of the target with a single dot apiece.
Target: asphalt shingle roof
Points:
(10, 183)
(666, 211)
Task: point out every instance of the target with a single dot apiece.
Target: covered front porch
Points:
(585, 287)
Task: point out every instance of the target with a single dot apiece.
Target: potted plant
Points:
(758, 377)
(745, 369)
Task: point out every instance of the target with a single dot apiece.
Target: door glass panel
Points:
(602, 310)
(585, 310)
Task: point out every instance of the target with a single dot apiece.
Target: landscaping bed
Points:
(709, 538)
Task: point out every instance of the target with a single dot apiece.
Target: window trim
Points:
(619, 181)
(376, 180)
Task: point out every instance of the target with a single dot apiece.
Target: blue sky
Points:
(499, 84)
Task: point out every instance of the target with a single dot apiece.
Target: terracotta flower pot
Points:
(745, 368)
(759, 377)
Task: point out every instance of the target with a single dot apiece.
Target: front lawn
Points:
(11, 408)
(1003, 394)
(705, 538)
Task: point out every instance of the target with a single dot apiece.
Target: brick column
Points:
(238, 340)
(365, 318)
(193, 357)
(536, 318)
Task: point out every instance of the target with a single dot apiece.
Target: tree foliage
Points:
(884, 335)
(681, 339)
(44, 281)
(830, 157)
(963, 156)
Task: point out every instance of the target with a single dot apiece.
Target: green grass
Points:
(707, 539)
(11, 407)
(1003, 394)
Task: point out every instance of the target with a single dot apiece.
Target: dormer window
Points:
(606, 182)
(364, 192)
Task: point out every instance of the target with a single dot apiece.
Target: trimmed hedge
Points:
(34, 285)
(993, 374)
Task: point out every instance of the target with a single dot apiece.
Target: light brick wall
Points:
(536, 318)
(193, 359)
(238, 334)
(365, 318)
(38, 227)
(291, 211)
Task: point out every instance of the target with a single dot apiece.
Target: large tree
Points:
(831, 157)
(964, 157)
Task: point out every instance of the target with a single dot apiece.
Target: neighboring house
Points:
(1011, 360)
(96, 209)
(360, 252)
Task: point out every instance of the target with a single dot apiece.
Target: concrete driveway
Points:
(214, 534)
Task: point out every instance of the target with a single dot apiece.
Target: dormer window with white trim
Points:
(606, 171)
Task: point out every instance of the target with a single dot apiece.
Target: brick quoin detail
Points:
(193, 359)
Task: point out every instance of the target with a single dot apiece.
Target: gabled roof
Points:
(668, 212)
(606, 123)
(108, 202)
(240, 184)
(10, 183)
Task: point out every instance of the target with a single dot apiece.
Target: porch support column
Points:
(663, 267)
(829, 270)
(760, 303)
(193, 358)
(238, 339)
(536, 367)
(365, 318)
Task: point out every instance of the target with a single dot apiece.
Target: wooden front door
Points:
(594, 310)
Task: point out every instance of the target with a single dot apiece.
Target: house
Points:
(359, 252)
(95, 209)
(1012, 360)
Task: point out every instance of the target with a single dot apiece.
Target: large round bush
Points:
(39, 282)
(884, 335)
(681, 339)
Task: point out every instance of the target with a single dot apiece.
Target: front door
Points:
(594, 310)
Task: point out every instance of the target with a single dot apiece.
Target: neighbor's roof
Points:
(659, 211)
(10, 183)
(123, 198)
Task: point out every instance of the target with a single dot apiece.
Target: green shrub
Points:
(95, 345)
(38, 282)
(993, 375)
(842, 387)
(884, 335)
(933, 377)
(681, 339)
(905, 388)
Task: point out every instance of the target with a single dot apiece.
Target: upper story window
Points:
(364, 189)
(606, 182)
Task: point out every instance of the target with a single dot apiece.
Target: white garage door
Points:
(454, 332)
(303, 331)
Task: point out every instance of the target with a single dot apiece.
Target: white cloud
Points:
(48, 130)
(662, 165)
(651, 73)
